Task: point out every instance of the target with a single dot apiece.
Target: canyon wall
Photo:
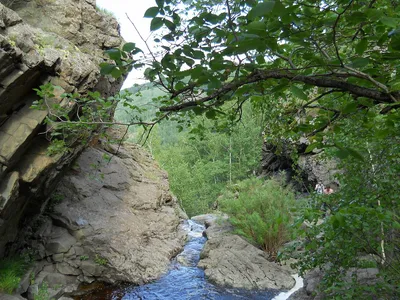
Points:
(60, 42)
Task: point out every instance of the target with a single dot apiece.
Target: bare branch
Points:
(148, 48)
(287, 59)
(319, 97)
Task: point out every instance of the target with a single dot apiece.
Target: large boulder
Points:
(229, 260)
(112, 219)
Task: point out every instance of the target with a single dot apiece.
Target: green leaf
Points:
(349, 108)
(391, 22)
(198, 54)
(128, 47)
(160, 3)
(298, 92)
(395, 42)
(355, 154)
(180, 85)
(106, 68)
(170, 25)
(342, 153)
(151, 12)
(116, 72)
(361, 46)
(114, 54)
(313, 146)
(198, 110)
(211, 114)
(261, 9)
(360, 62)
(156, 23)
(257, 27)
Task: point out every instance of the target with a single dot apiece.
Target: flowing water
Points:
(188, 281)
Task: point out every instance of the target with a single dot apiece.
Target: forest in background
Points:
(201, 157)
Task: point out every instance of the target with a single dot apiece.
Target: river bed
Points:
(184, 280)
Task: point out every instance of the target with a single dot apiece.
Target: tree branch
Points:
(325, 82)
(334, 32)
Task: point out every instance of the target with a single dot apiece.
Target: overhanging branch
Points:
(315, 80)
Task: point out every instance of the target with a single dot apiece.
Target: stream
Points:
(187, 281)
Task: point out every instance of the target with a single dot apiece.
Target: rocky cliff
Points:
(60, 42)
(110, 219)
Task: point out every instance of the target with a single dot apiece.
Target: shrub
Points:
(260, 211)
(43, 292)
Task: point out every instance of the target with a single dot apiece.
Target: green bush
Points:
(261, 211)
(43, 292)
(11, 271)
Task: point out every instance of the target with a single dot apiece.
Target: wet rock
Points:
(229, 260)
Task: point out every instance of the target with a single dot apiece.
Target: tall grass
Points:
(11, 272)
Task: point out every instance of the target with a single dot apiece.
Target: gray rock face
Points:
(311, 166)
(229, 260)
(116, 222)
(60, 42)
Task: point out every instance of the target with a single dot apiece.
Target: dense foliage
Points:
(363, 216)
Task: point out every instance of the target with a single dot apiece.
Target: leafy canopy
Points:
(235, 50)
